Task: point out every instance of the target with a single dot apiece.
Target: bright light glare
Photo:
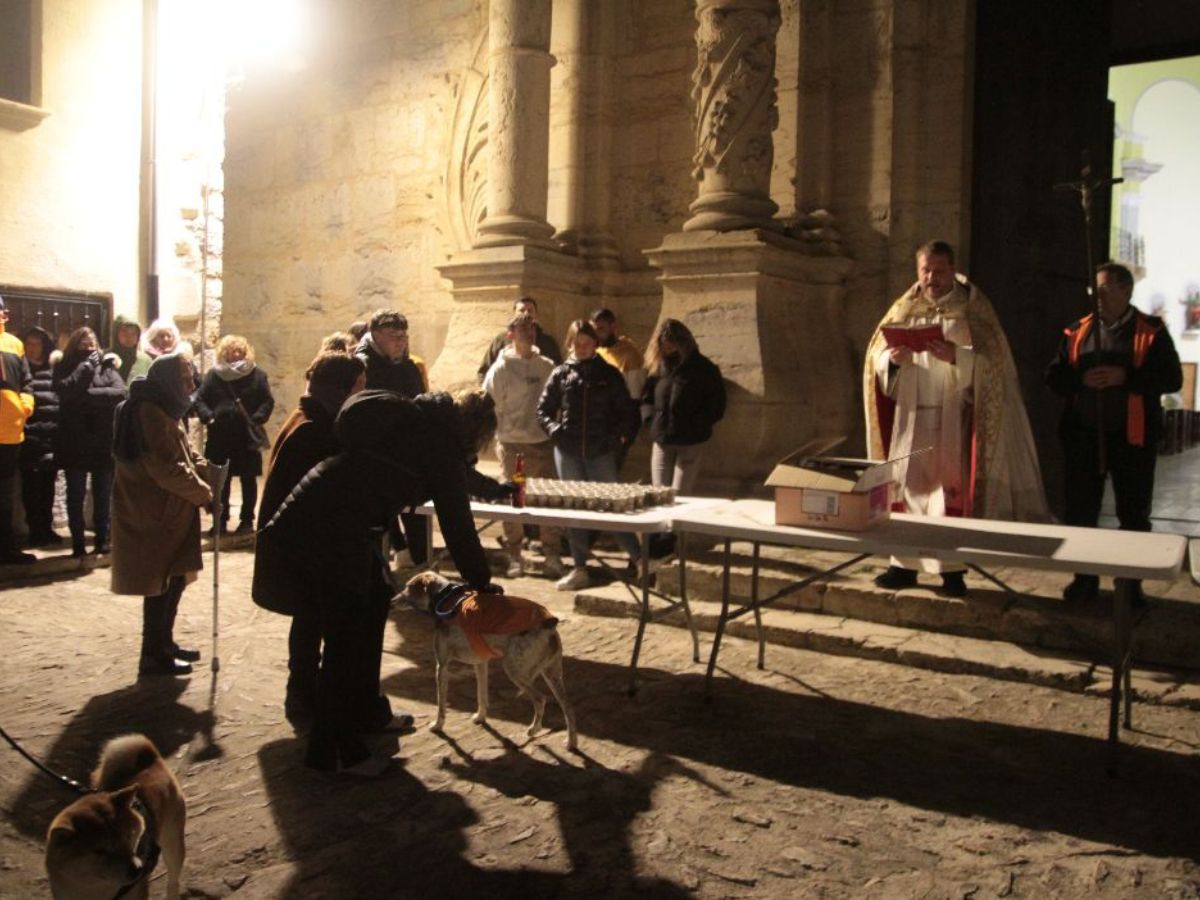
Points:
(266, 33)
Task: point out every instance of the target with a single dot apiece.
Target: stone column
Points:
(734, 90)
(581, 136)
(519, 123)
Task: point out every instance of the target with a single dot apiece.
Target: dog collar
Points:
(447, 601)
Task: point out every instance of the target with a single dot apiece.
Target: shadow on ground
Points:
(1029, 777)
(149, 706)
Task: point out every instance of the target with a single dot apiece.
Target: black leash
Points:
(69, 783)
(147, 849)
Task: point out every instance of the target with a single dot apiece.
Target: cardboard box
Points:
(831, 491)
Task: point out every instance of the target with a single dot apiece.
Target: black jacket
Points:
(228, 437)
(586, 408)
(307, 439)
(687, 402)
(88, 394)
(37, 451)
(1159, 374)
(401, 376)
(322, 543)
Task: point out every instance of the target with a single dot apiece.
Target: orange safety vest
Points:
(1143, 336)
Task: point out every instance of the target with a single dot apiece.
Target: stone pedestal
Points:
(770, 316)
(485, 282)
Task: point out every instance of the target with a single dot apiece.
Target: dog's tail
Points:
(122, 759)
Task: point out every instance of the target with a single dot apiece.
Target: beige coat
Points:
(156, 509)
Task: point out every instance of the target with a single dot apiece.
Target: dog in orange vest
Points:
(476, 628)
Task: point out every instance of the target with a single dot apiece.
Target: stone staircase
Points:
(1026, 634)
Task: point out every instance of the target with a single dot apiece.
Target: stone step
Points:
(842, 636)
(1034, 615)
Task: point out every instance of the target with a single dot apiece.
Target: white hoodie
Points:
(516, 386)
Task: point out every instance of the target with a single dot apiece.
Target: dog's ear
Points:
(61, 831)
(125, 796)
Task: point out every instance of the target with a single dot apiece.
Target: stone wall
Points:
(69, 213)
(349, 183)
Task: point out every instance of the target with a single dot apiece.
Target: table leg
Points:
(1121, 597)
(758, 629)
(720, 630)
(643, 572)
(681, 551)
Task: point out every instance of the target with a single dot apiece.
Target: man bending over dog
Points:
(325, 544)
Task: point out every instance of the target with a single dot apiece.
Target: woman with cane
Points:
(157, 497)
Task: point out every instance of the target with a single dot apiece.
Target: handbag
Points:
(258, 435)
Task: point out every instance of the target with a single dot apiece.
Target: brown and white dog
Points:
(92, 845)
(526, 655)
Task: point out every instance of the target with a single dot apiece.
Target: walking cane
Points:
(217, 475)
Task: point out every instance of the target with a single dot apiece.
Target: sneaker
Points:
(575, 580)
(515, 568)
(163, 665)
(552, 567)
(896, 578)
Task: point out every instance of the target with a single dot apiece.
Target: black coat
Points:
(306, 439)
(324, 541)
(37, 451)
(401, 376)
(687, 402)
(88, 393)
(586, 408)
(228, 437)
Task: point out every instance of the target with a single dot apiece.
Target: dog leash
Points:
(147, 848)
(69, 783)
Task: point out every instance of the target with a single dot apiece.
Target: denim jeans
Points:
(598, 468)
(102, 483)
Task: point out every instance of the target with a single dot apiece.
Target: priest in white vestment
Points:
(951, 414)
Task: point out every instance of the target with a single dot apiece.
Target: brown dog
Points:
(525, 655)
(92, 845)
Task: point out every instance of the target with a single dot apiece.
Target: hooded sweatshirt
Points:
(516, 386)
(134, 361)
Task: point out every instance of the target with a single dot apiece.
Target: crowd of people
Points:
(367, 442)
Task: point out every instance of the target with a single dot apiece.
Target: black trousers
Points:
(348, 699)
(9, 455)
(1132, 471)
(158, 620)
(249, 498)
(37, 494)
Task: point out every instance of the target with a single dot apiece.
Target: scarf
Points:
(227, 371)
(161, 386)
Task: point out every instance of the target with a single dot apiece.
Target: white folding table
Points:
(1124, 555)
(642, 522)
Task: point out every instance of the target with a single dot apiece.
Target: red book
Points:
(917, 338)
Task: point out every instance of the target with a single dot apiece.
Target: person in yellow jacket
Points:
(16, 405)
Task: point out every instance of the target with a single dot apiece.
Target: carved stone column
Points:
(734, 90)
(519, 65)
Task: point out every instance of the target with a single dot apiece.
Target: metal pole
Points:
(217, 475)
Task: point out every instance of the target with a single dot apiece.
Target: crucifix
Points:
(1086, 186)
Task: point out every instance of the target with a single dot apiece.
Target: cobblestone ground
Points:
(820, 776)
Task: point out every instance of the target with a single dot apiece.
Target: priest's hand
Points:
(943, 350)
(1099, 377)
(900, 356)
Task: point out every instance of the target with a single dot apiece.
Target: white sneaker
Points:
(515, 569)
(575, 580)
(552, 567)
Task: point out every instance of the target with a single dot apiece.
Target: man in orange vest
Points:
(1113, 377)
